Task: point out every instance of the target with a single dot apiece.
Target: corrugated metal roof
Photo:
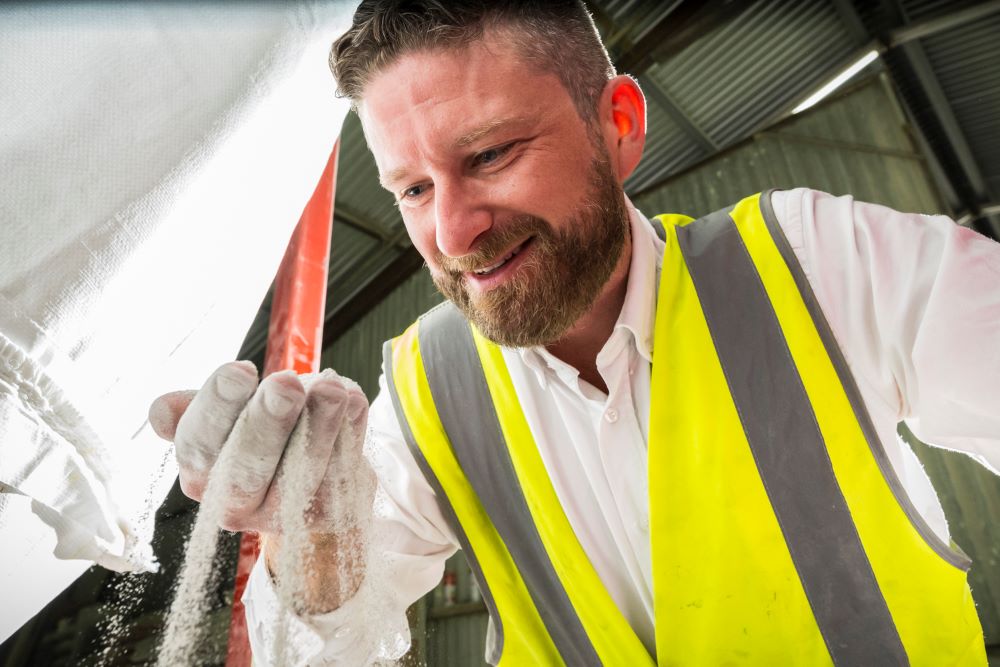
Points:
(631, 18)
(738, 77)
(917, 10)
(966, 62)
(349, 246)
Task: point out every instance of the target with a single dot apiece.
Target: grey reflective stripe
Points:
(658, 228)
(788, 447)
(959, 560)
(494, 639)
(462, 397)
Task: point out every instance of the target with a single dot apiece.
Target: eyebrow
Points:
(463, 141)
(486, 129)
(389, 179)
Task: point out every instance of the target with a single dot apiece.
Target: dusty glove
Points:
(255, 423)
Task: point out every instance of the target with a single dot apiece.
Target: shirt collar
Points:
(638, 312)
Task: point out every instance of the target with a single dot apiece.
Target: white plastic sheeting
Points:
(155, 158)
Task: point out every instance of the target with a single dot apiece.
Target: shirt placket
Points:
(622, 448)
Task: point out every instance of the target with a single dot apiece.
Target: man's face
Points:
(506, 192)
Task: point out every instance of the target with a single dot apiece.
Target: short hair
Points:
(558, 36)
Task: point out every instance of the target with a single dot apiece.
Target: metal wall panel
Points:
(457, 641)
(358, 353)
(358, 191)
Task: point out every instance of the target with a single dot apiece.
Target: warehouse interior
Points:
(916, 126)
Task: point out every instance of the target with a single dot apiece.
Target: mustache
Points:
(499, 240)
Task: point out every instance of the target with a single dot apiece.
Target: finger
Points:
(301, 472)
(210, 417)
(259, 439)
(166, 411)
(348, 482)
(357, 413)
(326, 408)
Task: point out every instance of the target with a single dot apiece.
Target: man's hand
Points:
(260, 419)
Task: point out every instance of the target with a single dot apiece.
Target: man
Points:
(651, 450)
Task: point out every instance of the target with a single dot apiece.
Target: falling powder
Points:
(127, 588)
(347, 507)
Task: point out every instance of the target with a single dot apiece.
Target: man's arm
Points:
(410, 541)
(914, 303)
(333, 568)
(406, 543)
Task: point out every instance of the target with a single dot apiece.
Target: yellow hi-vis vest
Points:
(780, 534)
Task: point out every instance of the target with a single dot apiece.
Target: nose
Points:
(460, 217)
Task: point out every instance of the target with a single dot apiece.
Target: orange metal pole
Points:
(294, 341)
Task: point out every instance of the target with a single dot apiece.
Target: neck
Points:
(582, 343)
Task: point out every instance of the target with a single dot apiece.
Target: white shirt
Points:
(912, 302)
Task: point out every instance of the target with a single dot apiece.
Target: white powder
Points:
(127, 588)
(347, 507)
(186, 621)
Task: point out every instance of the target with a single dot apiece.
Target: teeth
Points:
(491, 269)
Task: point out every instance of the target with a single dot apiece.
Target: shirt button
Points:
(644, 524)
(611, 415)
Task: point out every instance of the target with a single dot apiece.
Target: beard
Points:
(560, 277)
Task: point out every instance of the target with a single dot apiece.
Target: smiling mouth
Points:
(509, 256)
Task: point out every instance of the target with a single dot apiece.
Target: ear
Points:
(623, 123)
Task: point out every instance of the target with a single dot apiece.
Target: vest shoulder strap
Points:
(458, 385)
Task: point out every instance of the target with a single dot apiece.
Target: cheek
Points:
(420, 228)
(555, 182)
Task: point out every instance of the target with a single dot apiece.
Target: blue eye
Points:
(414, 191)
(491, 155)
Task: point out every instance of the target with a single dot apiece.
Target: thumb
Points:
(166, 411)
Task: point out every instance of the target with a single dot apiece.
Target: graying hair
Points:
(557, 36)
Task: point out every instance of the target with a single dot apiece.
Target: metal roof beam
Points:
(986, 221)
(392, 274)
(927, 80)
(636, 17)
(663, 100)
(931, 26)
(364, 225)
(930, 113)
(984, 211)
(677, 29)
(851, 21)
